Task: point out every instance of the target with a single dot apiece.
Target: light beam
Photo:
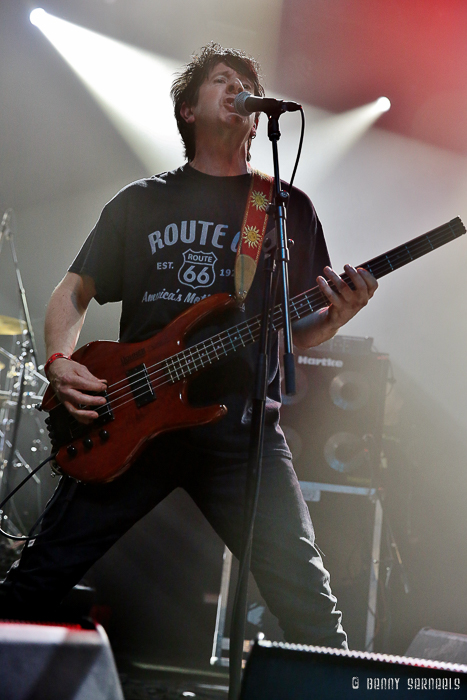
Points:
(131, 85)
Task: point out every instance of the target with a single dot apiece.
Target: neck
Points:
(217, 157)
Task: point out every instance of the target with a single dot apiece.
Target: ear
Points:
(186, 113)
(253, 128)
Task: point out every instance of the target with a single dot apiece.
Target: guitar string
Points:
(187, 369)
(185, 357)
(190, 362)
(226, 335)
(170, 378)
(181, 355)
(187, 363)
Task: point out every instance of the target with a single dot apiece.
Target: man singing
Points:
(160, 245)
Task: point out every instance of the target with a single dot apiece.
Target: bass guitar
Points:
(148, 381)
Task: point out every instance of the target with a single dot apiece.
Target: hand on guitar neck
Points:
(345, 301)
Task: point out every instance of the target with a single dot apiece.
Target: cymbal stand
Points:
(28, 354)
(7, 234)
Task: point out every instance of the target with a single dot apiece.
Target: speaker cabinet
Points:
(440, 646)
(283, 671)
(334, 422)
(54, 662)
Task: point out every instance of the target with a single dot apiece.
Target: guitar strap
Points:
(252, 233)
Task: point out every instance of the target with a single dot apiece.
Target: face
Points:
(214, 108)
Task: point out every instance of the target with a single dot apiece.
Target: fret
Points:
(190, 362)
(408, 250)
(169, 362)
(402, 257)
(206, 351)
(231, 339)
(183, 363)
(184, 369)
(252, 337)
(429, 241)
(294, 308)
(424, 246)
(307, 299)
(222, 346)
(198, 358)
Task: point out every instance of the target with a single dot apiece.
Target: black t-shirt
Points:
(162, 244)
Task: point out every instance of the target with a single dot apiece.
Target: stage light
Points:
(384, 104)
(328, 139)
(132, 87)
(37, 16)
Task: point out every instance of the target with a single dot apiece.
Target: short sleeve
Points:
(309, 253)
(103, 252)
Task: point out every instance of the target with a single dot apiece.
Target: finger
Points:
(370, 281)
(85, 373)
(81, 384)
(81, 399)
(331, 294)
(80, 414)
(357, 280)
(84, 376)
(342, 289)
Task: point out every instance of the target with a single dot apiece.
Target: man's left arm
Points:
(344, 304)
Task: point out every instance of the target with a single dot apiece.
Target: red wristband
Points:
(52, 358)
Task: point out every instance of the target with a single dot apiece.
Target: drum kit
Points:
(23, 438)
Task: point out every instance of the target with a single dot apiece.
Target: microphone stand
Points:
(277, 208)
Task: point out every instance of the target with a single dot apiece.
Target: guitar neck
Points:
(314, 299)
(229, 341)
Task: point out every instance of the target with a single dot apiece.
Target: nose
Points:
(236, 85)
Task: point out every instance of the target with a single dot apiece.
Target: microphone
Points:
(245, 104)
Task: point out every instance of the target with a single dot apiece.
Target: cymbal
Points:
(11, 326)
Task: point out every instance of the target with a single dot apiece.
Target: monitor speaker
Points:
(277, 671)
(440, 646)
(334, 422)
(54, 662)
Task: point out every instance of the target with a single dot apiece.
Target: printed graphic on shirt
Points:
(200, 267)
(197, 269)
(198, 232)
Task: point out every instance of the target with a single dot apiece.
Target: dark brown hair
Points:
(185, 87)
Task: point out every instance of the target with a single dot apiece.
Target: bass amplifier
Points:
(334, 422)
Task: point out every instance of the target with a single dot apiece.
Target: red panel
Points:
(343, 53)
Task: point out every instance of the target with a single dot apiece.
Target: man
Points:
(143, 251)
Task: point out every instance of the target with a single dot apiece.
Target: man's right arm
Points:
(63, 322)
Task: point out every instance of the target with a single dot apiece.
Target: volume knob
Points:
(104, 435)
(72, 451)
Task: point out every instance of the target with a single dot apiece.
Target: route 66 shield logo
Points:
(197, 269)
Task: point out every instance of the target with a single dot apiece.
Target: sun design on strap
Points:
(259, 200)
(251, 236)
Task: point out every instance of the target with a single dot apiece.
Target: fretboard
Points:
(229, 341)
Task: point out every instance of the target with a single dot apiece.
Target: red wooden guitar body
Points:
(101, 452)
